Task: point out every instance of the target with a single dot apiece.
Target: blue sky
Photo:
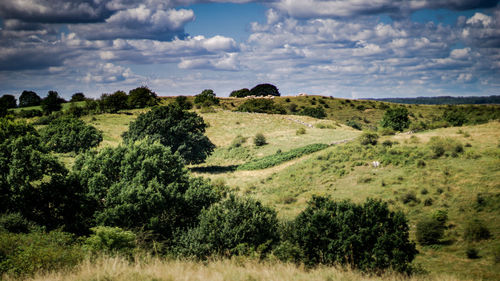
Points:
(343, 48)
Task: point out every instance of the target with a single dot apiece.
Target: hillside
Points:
(442, 169)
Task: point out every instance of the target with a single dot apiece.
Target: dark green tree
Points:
(264, 90)
(367, 236)
(206, 98)
(233, 226)
(76, 97)
(181, 130)
(396, 118)
(70, 134)
(113, 103)
(8, 101)
(240, 93)
(29, 98)
(51, 103)
(32, 182)
(316, 112)
(141, 97)
(454, 117)
(142, 185)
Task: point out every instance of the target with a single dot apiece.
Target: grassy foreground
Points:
(118, 269)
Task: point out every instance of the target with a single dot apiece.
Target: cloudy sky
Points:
(342, 48)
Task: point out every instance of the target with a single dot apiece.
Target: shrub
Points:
(183, 102)
(238, 141)
(110, 240)
(23, 255)
(240, 93)
(353, 124)
(288, 252)
(409, 197)
(180, 130)
(387, 132)
(16, 223)
(70, 134)
(265, 90)
(368, 138)
(300, 131)
(368, 236)
(29, 113)
(114, 102)
(472, 253)
(430, 231)
(316, 112)
(475, 230)
(454, 117)
(233, 226)
(387, 143)
(259, 140)
(261, 106)
(396, 118)
(439, 146)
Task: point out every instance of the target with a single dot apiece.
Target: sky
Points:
(340, 48)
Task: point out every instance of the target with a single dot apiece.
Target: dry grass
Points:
(117, 269)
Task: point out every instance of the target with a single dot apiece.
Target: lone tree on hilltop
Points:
(29, 98)
(206, 98)
(396, 118)
(265, 90)
(77, 97)
(141, 97)
(181, 130)
(52, 103)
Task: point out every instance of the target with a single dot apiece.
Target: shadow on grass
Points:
(214, 169)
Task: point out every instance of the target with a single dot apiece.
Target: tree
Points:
(367, 236)
(206, 98)
(316, 112)
(29, 98)
(70, 134)
(181, 130)
(240, 93)
(183, 102)
(9, 101)
(141, 97)
(32, 182)
(51, 103)
(142, 185)
(368, 138)
(396, 118)
(114, 102)
(77, 97)
(233, 226)
(265, 90)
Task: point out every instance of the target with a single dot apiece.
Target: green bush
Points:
(353, 124)
(231, 227)
(23, 255)
(472, 253)
(368, 138)
(110, 240)
(439, 146)
(430, 231)
(300, 131)
(259, 140)
(238, 141)
(316, 112)
(70, 134)
(396, 119)
(183, 102)
(114, 102)
(240, 93)
(278, 158)
(265, 90)
(29, 113)
(141, 97)
(15, 223)
(206, 98)
(367, 236)
(261, 106)
(475, 230)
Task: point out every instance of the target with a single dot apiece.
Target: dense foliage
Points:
(231, 227)
(183, 102)
(70, 134)
(316, 112)
(52, 102)
(241, 93)
(261, 106)
(206, 98)
(368, 236)
(180, 130)
(8, 101)
(29, 98)
(265, 90)
(113, 103)
(141, 97)
(396, 119)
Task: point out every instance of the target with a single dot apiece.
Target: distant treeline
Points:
(444, 100)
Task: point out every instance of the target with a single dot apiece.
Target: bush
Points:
(180, 130)
(387, 132)
(141, 97)
(259, 140)
(368, 138)
(475, 230)
(353, 124)
(70, 134)
(206, 98)
(15, 223)
(368, 236)
(29, 113)
(238, 141)
(261, 106)
(240, 93)
(110, 240)
(231, 227)
(264, 90)
(183, 102)
(77, 97)
(454, 117)
(23, 255)
(430, 231)
(472, 253)
(316, 112)
(439, 146)
(396, 118)
(300, 131)
(114, 102)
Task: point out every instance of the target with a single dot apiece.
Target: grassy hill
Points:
(464, 183)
